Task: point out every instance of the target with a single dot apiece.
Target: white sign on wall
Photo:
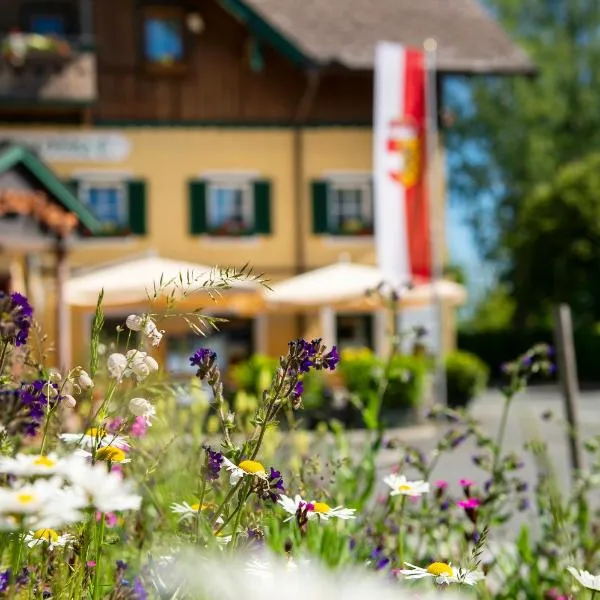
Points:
(72, 147)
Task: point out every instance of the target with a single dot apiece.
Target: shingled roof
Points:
(346, 31)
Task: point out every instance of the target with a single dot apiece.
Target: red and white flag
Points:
(401, 206)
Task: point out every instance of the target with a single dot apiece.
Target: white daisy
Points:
(111, 454)
(443, 573)
(189, 510)
(95, 437)
(107, 492)
(39, 505)
(585, 578)
(47, 538)
(27, 465)
(246, 467)
(316, 510)
(402, 487)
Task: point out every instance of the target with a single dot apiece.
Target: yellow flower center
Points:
(111, 453)
(251, 466)
(196, 507)
(439, 568)
(405, 487)
(96, 432)
(44, 461)
(321, 507)
(25, 498)
(46, 534)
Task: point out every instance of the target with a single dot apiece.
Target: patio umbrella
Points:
(131, 282)
(345, 285)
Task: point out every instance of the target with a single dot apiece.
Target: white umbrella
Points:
(132, 281)
(348, 283)
(334, 284)
(449, 292)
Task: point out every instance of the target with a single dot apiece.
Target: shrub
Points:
(406, 382)
(360, 369)
(466, 377)
(255, 374)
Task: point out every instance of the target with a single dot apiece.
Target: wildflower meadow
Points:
(119, 482)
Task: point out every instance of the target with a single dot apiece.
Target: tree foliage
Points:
(556, 245)
(513, 133)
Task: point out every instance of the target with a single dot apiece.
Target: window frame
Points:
(65, 10)
(86, 184)
(163, 11)
(248, 205)
(350, 182)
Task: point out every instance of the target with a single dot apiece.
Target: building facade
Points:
(216, 131)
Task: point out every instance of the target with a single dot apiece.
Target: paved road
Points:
(525, 423)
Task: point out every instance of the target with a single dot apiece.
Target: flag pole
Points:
(433, 185)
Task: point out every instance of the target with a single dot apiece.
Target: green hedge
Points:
(498, 347)
(466, 377)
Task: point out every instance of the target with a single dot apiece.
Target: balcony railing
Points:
(46, 69)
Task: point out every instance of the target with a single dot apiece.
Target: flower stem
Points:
(225, 501)
(99, 541)
(236, 526)
(201, 500)
(3, 356)
(401, 532)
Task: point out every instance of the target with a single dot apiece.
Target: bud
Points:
(54, 376)
(135, 322)
(84, 380)
(151, 364)
(140, 407)
(116, 364)
(69, 401)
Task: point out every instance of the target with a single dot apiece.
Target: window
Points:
(343, 206)
(48, 24)
(108, 203)
(230, 209)
(116, 199)
(354, 331)
(163, 36)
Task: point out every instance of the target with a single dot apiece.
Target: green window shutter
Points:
(197, 206)
(320, 194)
(136, 195)
(262, 206)
(73, 185)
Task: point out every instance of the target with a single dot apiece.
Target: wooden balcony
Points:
(59, 74)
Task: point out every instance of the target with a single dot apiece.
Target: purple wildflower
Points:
(139, 590)
(215, 460)
(382, 563)
(298, 389)
(331, 359)
(15, 318)
(313, 355)
(4, 580)
(121, 565)
(204, 359)
(34, 398)
(275, 485)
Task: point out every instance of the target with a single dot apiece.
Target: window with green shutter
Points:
(343, 206)
(230, 205)
(262, 206)
(197, 206)
(136, 200)
(320, 203)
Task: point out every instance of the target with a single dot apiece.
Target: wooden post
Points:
(567, 370)
(63, 316)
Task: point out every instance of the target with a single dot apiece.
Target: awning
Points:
(346, 285)
(132, 282)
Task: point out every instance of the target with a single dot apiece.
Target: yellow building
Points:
(217, 132)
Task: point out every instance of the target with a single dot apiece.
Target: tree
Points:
(514, 133)
(556, 245)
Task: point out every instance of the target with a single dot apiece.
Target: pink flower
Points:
(116, 468)
(114, 425)
(469, 503)
(466, 483)
(109, 518)
(138, 427)
(442, 484)
(91, 564)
